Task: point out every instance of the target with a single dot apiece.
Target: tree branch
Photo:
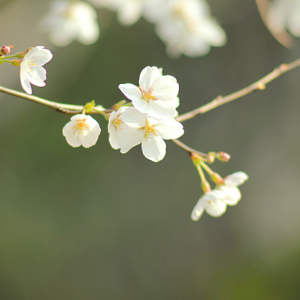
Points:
(258, 85)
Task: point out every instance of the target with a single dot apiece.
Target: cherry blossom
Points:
(141, 128)
(68, 21)
(230, 187)
(128, 11)
(82, 130)
(212, 202)
(186, 26)
(156, 94)
(31, 68)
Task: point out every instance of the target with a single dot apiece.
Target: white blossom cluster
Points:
(215, 202)
(185, 26)
(149, 122)
(284, 14)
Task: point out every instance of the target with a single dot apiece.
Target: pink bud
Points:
(222, 156)
(5, 49)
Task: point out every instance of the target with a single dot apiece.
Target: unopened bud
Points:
(5, 49)
(210, 158)
(222, 156)
(16, 62)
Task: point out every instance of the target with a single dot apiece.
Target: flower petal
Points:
(154, 148)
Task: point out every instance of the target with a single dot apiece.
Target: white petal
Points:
(216, 208)
(233, 194)
(165, 87)
(148, 76)
(130, 12)
(130, 138)
(198, 210)
(154, 148)
(132, 117)
(130, 91)
(25, 83)
(236, 179)
(170, 129)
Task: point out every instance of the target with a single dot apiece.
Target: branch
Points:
(67, 109)
(258, 85)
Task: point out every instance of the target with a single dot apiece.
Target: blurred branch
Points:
(258, 85)
(283, 37)
(67, 109)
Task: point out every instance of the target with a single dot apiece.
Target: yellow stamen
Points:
(150, 130)
(147, 95)
(81, 126)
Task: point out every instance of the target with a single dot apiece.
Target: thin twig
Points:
(187, 148)
(258, 85)
(60, 107)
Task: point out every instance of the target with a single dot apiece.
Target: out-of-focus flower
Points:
(212, 202)
(185, 26)
(143, 129)
(31, 70)
(284, 14)
(230, 187)
(215, 201)
(82, 130)
(156, 94)
(128, 11)
(71, 20)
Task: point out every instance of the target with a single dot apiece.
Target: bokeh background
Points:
(96, 224)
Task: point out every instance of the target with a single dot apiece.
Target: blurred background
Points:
(96, 224)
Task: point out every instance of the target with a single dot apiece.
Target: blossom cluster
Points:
(149, 122)
(215, 202)
(185, 26)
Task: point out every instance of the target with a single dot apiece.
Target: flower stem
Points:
(187, 148)
(258, 85)
(67, 109)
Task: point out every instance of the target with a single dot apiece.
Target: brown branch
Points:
(258, 85)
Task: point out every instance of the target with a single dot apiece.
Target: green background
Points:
(96, 224)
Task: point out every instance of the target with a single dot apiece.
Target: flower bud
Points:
(16, 62)
(222, 156)
(5, 49)
(210, 158)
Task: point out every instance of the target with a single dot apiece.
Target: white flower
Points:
(133, 127)
(284, 14)
(82, 130)
(156, 94)
(230, 187)
(212, 202)
(128, 11)
(31, 70)
(216, 201)
(68, 21)
(186, 26)
(120, 134)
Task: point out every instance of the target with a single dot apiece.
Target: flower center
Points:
(150, 130)
(117, 122)
(147, 95)
(81, 126)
